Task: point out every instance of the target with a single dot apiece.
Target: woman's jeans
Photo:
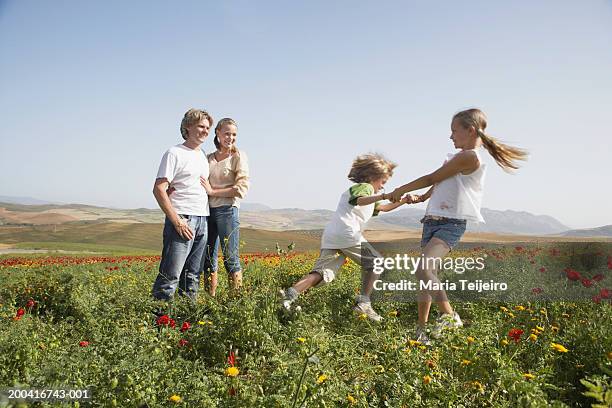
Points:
(224, 229)
(181, 260)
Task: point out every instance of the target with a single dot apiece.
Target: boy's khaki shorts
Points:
(330, 260)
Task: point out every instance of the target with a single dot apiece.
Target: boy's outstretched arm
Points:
(408, 199)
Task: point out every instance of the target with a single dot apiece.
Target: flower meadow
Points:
(88, 322)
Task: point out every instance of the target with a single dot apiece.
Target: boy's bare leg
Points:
(307, 282)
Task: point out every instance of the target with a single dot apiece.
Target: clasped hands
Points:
(396, 196)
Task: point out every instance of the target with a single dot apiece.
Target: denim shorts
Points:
(449, 230)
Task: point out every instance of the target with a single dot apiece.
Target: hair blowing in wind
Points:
(505, 156)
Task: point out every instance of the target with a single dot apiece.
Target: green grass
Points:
(130, 362)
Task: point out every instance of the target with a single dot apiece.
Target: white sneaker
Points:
(366, 308)
(286, 301)
(422, 337)
(446, 322)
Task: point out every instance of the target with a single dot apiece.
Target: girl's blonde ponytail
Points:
(505, 156)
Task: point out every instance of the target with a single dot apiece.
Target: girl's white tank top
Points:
(459, 196)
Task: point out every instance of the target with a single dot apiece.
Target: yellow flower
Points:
(301, 340)
(414, 343)
(520, 308)
(201, 323)
(175, 398)
(363, 316)
(470, 339)
(540, 328)
(504, 309)
(427, 379)
(533, 337)
(504, 342)
(478, 385)
(321, 379)
(380, 369)
(422, 348)
(528, 376)
(393, 313)
(543, 311)
(558, 347)
(465, 362)
(232, 372)
(609, 355)
(351, 399)
(510, 314)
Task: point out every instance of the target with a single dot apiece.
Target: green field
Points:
(86, 322)
(135, 238)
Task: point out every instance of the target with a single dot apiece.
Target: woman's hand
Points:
(206, 185)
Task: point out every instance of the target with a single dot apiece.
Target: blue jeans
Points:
(449, 230)
(224, 227)
(181, 260)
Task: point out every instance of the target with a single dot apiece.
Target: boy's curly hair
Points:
(369, 167)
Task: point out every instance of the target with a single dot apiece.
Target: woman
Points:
(228, 183)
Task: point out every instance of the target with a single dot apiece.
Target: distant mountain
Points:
(605, 231)
(260, 216)
(254, 207)
(501, 222)
(23, 200)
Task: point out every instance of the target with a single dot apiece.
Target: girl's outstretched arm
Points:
(463, 161)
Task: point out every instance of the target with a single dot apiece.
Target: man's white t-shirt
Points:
(182, 167)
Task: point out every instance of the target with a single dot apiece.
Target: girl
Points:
(343, 235)
(227, 185)
(455, 198)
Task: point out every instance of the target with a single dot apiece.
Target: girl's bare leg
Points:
(435, 248)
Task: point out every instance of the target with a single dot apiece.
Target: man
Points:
(186, 209)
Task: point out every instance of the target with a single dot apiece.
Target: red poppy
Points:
(183, 343)
(518, 248)
(604, 293)
(542, 269)
(599, 277)
(83, 343)
(163, 320)
(231, 359)
(515, 334)
(186, 326)
(30, 303)
(172, 323)
(537, 291)
(597, 299)
(587, 283)
(572, 274)
(20, 312)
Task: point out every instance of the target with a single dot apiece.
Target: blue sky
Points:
(93, 94)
